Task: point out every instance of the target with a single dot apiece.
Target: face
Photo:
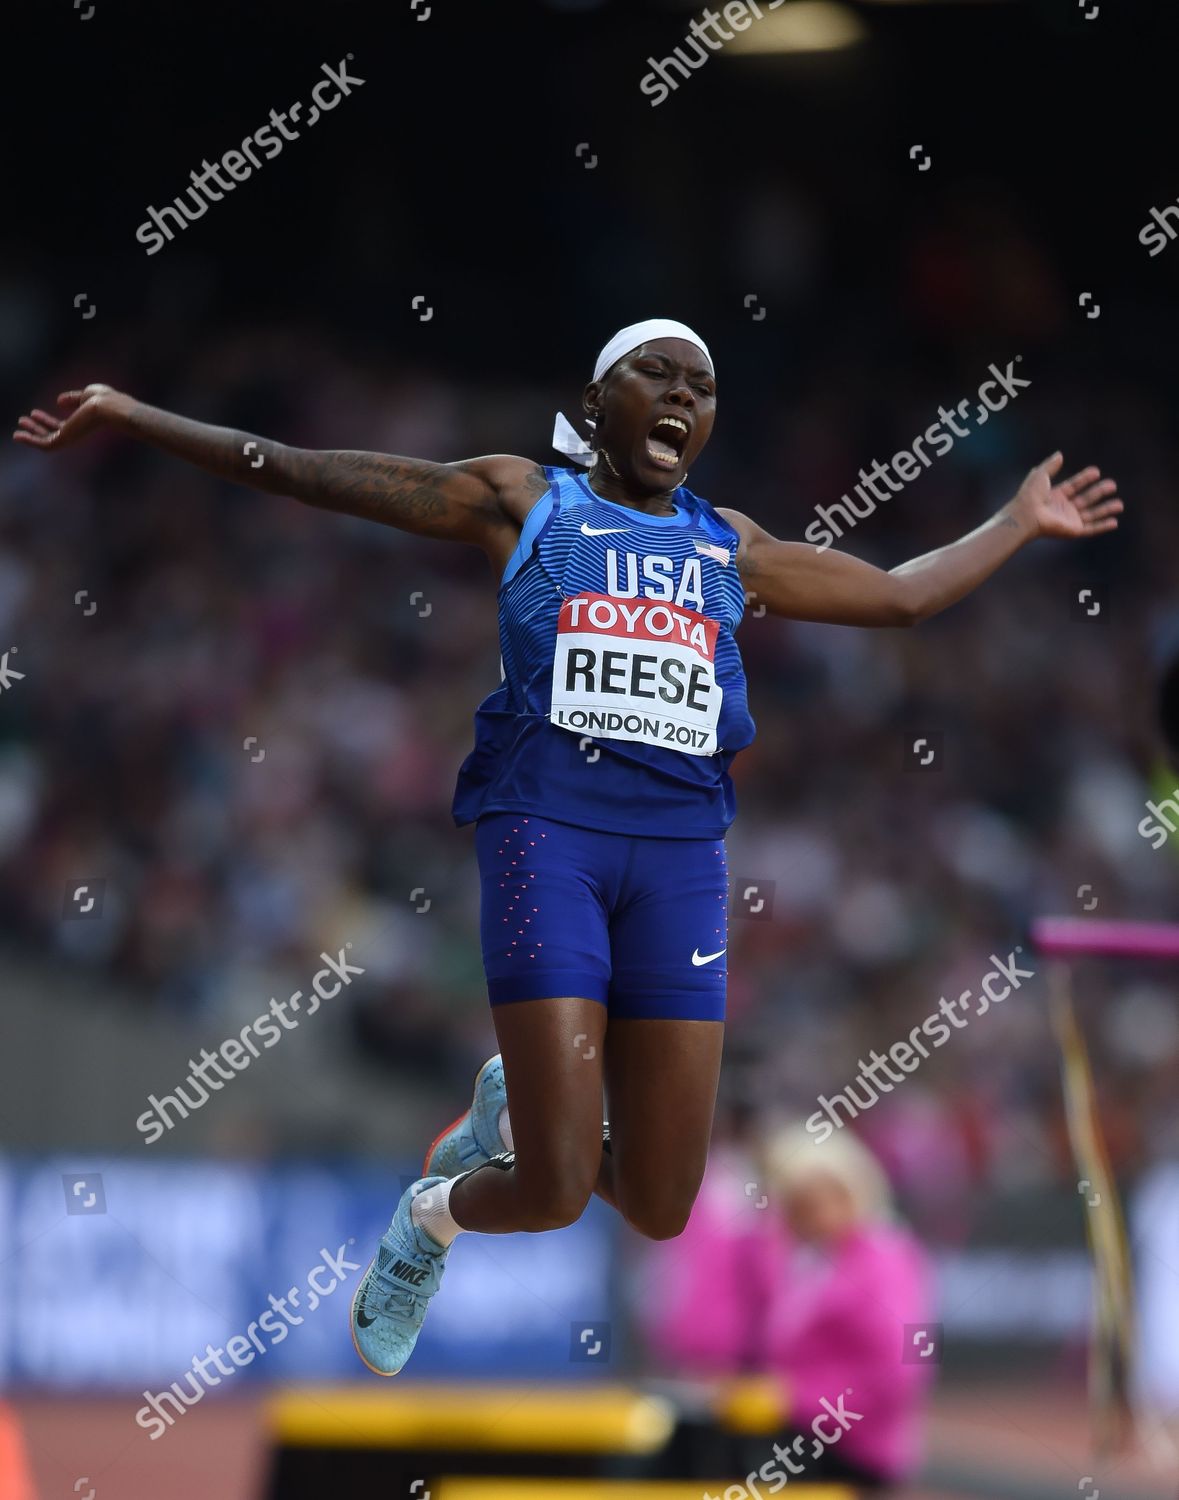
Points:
(820, 1208)
(654, 412)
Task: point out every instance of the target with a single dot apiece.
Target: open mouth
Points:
(667, 441)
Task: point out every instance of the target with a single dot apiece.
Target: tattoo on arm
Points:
(408, 493)
(535, 484)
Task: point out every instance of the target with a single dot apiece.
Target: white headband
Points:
(566, 439)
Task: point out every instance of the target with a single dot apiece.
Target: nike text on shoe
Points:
(474, 1137)
(391, 1300)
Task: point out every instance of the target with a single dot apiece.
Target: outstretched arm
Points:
(462, 502)
(804, 583)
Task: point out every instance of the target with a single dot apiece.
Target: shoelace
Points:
(396, 1299)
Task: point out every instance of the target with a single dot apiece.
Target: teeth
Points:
(662, 452)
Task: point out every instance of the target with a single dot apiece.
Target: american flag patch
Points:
(710, 549)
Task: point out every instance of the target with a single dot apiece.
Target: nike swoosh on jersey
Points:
(588, 530)
(699, 958)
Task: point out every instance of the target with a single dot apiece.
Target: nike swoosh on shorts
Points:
(699, 958)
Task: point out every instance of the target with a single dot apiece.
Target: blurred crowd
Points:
(245, 716)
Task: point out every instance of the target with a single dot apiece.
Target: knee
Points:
(657, 1204)
(553, 1208)
(659, 1218)
(553, 1199)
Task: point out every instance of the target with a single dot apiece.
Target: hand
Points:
(1084, 505)
(84, 410)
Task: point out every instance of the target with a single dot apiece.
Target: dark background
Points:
(453, 174)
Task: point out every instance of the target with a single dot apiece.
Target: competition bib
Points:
(635, 669)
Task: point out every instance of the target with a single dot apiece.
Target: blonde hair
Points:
(790, 1155)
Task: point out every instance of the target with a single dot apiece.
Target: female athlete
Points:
(599, 783)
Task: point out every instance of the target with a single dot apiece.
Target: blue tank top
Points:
(623, 696)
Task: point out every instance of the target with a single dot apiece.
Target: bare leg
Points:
(661, 1078)
(553, 1052)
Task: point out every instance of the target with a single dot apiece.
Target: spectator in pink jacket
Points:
(805, 1276)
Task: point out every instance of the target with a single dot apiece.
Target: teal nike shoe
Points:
(474, 1137)
(391, 1300)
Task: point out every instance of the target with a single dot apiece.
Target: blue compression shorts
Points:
(638, 924)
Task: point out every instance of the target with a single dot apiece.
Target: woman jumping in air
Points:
(599, 783)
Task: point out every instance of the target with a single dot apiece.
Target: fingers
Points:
(1052, 464)
(1080, 480)
(1095, 493)
(39, 429)
(1101, 512)
(37, 426)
